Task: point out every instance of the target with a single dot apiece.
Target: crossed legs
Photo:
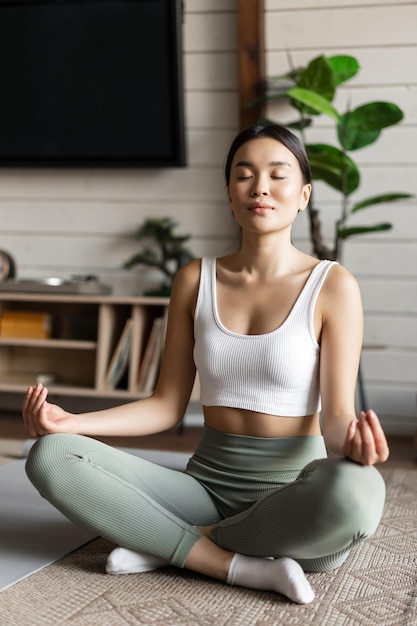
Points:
(155, 511)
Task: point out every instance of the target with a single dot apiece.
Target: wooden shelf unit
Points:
(85, 333)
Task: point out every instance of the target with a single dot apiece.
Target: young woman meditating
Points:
(282, 481)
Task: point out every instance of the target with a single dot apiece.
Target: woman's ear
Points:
(305, 197)
(229, 199)
(228, 195)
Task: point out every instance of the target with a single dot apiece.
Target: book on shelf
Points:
(120, 359)
(26, 325)
(149, 367)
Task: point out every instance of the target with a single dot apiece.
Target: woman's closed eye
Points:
(249, 176)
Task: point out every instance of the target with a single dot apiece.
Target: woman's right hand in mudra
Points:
(42, 418)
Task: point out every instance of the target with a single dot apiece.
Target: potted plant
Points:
(165, 251)
(311, 91)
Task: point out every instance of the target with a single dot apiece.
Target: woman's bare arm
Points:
(360, 439)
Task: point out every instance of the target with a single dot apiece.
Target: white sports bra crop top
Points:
(276, 373)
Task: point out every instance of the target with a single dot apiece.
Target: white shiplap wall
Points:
(81, 221)
(383, 37)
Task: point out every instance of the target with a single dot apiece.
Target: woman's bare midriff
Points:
(253, 424)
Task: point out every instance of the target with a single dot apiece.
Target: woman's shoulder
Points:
(340, 289)
(186, 284)
(189, 274)
(339, 279)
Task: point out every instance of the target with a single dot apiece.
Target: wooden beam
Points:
(251, 59)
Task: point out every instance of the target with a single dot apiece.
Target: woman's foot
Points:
(124, 561)
(283, 575)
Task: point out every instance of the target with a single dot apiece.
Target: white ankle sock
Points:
(283, 575)
(124, 561)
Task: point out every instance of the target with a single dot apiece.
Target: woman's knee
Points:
(354, 492)
(46, 458)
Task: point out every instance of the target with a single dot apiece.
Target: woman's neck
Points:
(268, 257)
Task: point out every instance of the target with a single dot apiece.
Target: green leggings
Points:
(266, 496)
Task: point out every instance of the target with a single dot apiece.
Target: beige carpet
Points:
(377, 586)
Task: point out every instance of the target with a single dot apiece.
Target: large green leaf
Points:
(351, 231)
(318, 77)
(313, 101)
(351, 139)
(376, 116)
(333, 167)
(344, 67)
(381, 199)
(362, 126)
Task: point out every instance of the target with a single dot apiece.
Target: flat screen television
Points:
(91, 83)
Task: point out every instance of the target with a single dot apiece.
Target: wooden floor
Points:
(403, 452)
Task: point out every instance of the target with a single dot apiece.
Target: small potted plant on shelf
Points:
(165, 252)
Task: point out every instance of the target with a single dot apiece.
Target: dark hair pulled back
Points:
(274, 131)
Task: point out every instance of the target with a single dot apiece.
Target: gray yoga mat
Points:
(33, 533)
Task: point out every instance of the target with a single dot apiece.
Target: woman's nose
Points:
(260, 189)
(260, 185)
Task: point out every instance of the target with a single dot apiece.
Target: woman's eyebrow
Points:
(271, 164)
(278, 163)
(244, 164)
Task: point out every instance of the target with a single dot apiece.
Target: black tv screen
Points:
(91, 83)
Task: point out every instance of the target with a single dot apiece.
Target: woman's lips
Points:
(260, 208)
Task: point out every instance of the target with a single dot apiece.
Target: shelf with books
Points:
(97, 345)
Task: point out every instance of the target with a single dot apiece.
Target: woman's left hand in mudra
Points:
(365, 440)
